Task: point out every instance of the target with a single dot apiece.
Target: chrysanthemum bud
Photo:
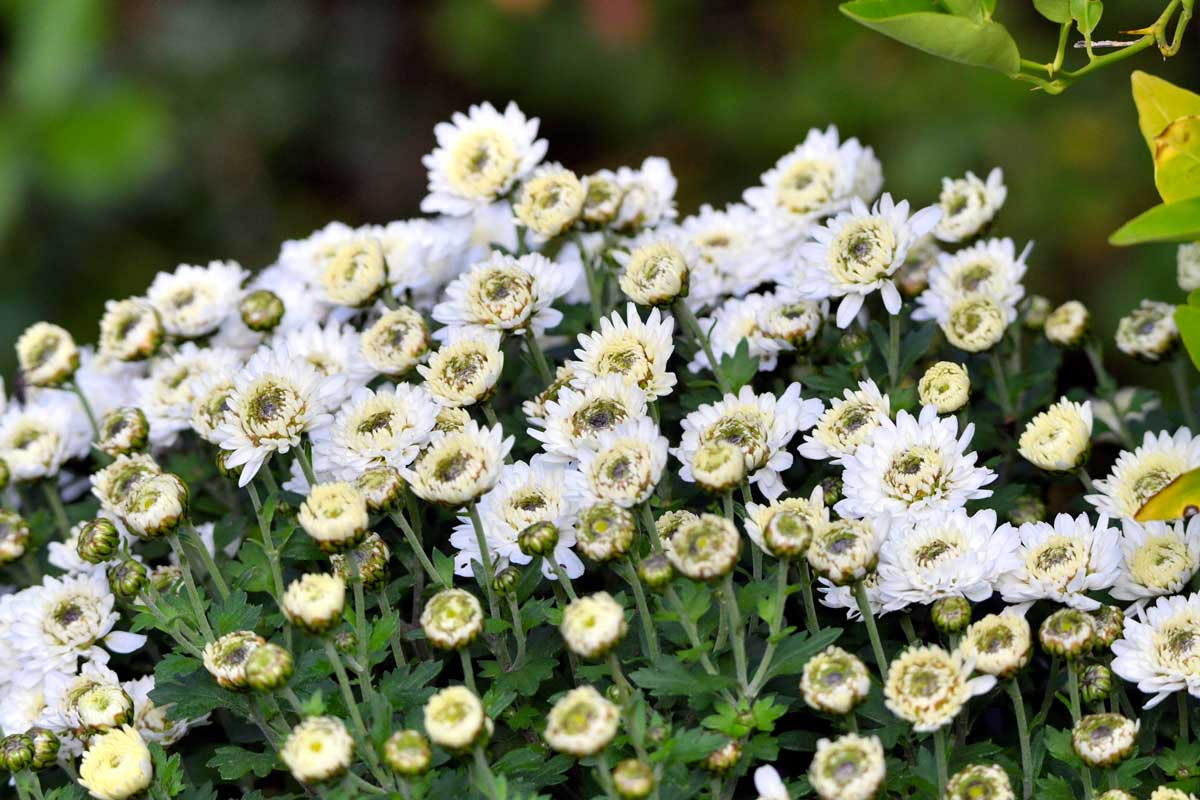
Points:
(1060, 438)
(335, 516)
(47, 355)
(980, 782)
(976, 323)
(315, 601)
(705, 548)
(593, 625)
(130, 330)
(261, 310)
(633, 779)
(454, 718)
(452, 619)
(605, 531)
(103, 706)
(16, 752)
(831, 489)
(850, 767)
(724, 758)
(845, 551)
(797, 322)
(221, 459)
(165, 578)
(127, 578)
(357, 273)
(396, 342)
(318, 749)
(369, 560)
(538, 539)
(45, 748)
(999, 644)
(123, 430)
(1109, 624)
(946, 386)
(655, 274)
(116, 764)
(507, 580)
(14, 536)
(1067, 632)
(268, 668)
(1067, 324)
(854, 346)
(655, 571)
(581, 723)
(346, 642)
(951, 614)
(788, 534)
(225, 659)
(1120, 794)
(1095, 683)
(928, 686)
(382, 487)
(408, 753)
(1149, 332)
(602, 197)
(718, 466)
(1034, 312)
(1102, 740)
(549, 201)
(835, 681)
(1026, 508)
(158, 506)
(464, 372)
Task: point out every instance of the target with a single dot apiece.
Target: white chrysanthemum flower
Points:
(1158, 558)
(796, 323)
(168, 395)
(47, 354)
(1104, 739)
(465, 370)
(116, 484)
(757, 424)
(857, 252)
(946, 554)
(945, 386)
(730, 258)
(913, 275)
(210, 408)
(225, 659)
(116, 765)
(969, 205)
(1149, 331)
(318, 749)
(1059, 438)
(1138, 476)
(847, 550)
(1160, 649)
(506, 294)
(847, 423)
(626, 465)
(738, 320)
(1187, 261)
(999, 644)
(395, 342)
(194, 301)
(927, 686)
(452, 619)
(335, 515)
(422, 255)
(385, 426)
(835, 681)
(454, 718)
(851, 767)
(592, 625)
(38, 437)
(647, 194)
(276, 399)
(812, 509)
(601, 197)
(578, 415)
(157, 506)
(61, 696)
(315, 601)
(1067, 324)
(991, 268)
(976, 323)
(656, 269)
(130, 330)
(705, 547)
(980, 782)
(459, 467)
(912, 466)
(637, 351)
(64, 620)
(356, 274)
(334, 351)
(526, 493)
(1063, 561)
(549, 201)
(479, 156)
(154, 722)
(581, 723)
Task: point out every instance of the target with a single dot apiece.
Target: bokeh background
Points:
(138, 135)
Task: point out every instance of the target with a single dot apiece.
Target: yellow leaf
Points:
(1177, 160)
(1178, 499)
(1159, 103)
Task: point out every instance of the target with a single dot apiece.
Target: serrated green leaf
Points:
(1159, 103)
(232, 762)
(797, 649)
(168, 774)
(740, 368)
(1169, 222)
(234, 614)
(1054, 788)
(1177, 160)
(175, 665)
(668, 676)
(523, 681)
(693, 745)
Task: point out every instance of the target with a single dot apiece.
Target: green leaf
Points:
(168, 774)
(524, 681)
(693, 745)
(314, 706)
(1177, 160)
(174, 665)
(1054, 788)
(668, 676)
(234, 614)
(739, 368)
(979, 43)
(195, 697)
(54, 50)
(1169, 222)
(796, 650)
(232, 762)
(972, 9)
(1086, 14)
(1159, 103)
(1054, 10)
(1187, 319)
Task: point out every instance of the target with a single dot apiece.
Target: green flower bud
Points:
(408, 753)
(45, 748)
(16, 752)
(222, 467)
(655, 571)
(952, 614)
(14, 536)
(1068, 632)
(166, 578)
(268, 668)
(1027, 508)
(346, 642)
(613, 693)
(506, 580)
(383, 487)
(854, 346)
(605, 531)
(538, 539)
(633, 779)
(127, 579)
(1096, 683)
(371, 558)
(98, 540)
(261, 310)
(832, 489)
(1109, 624)
(724, 758)
(123, 431)
(788, 534)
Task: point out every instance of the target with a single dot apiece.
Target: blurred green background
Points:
(138, 135)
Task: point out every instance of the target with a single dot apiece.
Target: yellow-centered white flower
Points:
(1059, 438)
(1063, 562)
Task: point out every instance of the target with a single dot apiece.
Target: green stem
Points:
(604, 775)
(518, 628)
(1014, 693)
(618, 676)
(864, 607)
(1180, 367)
(689, 628)
(210, 565)
(1002, 385)
(810, 606)
(629, 572)
(87, 409)
(1107, 387)
(468, 669)
(189, 583)
(781, 592)
(489, 414)
(306, 464)
(539, 358)
(939, 752)
(1085, 774)
(56, 507)
(700, 339)
(1182, 700)
(385, 607)
(907, 626)
(339, 669)
(411, 537)
(650, 526)
(561, 574)
(485, 560)
(272, 553)
(485, 779)
(736, 635)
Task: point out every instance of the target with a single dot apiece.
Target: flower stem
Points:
(56, 508)
(468, 669)
(810, 606)
(209, 564)
(489, 414)
(1085, 774)
(700, 339)
(618, 676)
(561, 574)
(484, 777)
(939, 753)
(604, 775)
(781, 592)
(1107, 388)
(1014, 693)
(736, 635)
(189, 583)
(339, 669)
(411, 537)
(1180, 366)
(864, 607)
(268, 545)
(629, 572)
(87, 409)
(1182, 699)
(306, 465)
(485, 560)
(518, 628)
(385, 608)
(1002, 385)
(539, 358)
(650, 526)
(689, 628)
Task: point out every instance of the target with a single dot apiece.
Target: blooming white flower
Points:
(1149, 331)
(1187, 260)
(582, 723)
(647, 194)
(116, 765)
(1158, 558)
(549, 201)
(656, 269)
(1063, 561)
(739, 320)
(851, 767)
(154, 722)
(846, 551)
(454, 718)
(945, 385)
(1138, 476)
(637, 351)
(1160, 649)
(334, 351)
(38, 437)
(625, 466)
(194, 301)
(356, 274)
(459, 466)
(991, 268)
(395, 342)
(911, 466)
(730, 258)
(479, 156)
(505, 294)
(760, 425)
(1059, 438)
(927, 686)
(169, 394)
(576, 417)
(465, 370)
(383, 426)
(857, 252)
(796, 323)
(969, 205)
(847, 423)
(999, 644)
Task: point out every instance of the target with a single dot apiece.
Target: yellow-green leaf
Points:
(1159, 103)
(1187, 320)
(1177, 160)
(1054, 10)
(1178, 499)
(1169, 222)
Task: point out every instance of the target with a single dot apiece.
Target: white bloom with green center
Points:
(731, 260)
(969, 205)
(718, 466)
(1161, 793)
(46, 354)
(593, 625)
(225, 659)
(851, 767)
(454, 718)
(656, 268)
(479, 157)
(990, 268)
(1067, 324)
(1058, 439)
(422, 255)
(704, 548)
(636, 350)
(464, 370)
(1158, 558)
(847, 423)
(459, 467)
(130, 329)
(946, 386)
(1187, 261)
(1138, 476)
(946, 554)
(847, 550)
(581, 723)
(913, 466)
(647, 195)
(117, 483)
(506, 294)
(626, 465)
(211, 407)
(811, 508)
(157, 506)
(116, 765)
(601, 197)
(194, 301)
(356, 274)
(980, 782)
(104, 706)
(835, 681)
(315, 601)
(318, 749)
(1149, 331)
(168, 396)
(999, 644)
(760, 425)
(39, 436)
(739, 320)
(335, 515)
(928, 686)
(334, 351)
(549, 201)
(452, 619)
(395, 342)
(575, 418)
(856, 253)
(1160, 649)
(1103, 740)
(384, 426)
(1063, 562)
(976, 323)
(795, 323)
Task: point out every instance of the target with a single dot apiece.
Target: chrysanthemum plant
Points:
(557, 493)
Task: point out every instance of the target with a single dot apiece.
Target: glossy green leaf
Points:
(1177, 160)
(1054, 10)
(917, 23)
(1179, 496)
(1169, 222)
(972, 9)
(1159, 103)
(1187, 320)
